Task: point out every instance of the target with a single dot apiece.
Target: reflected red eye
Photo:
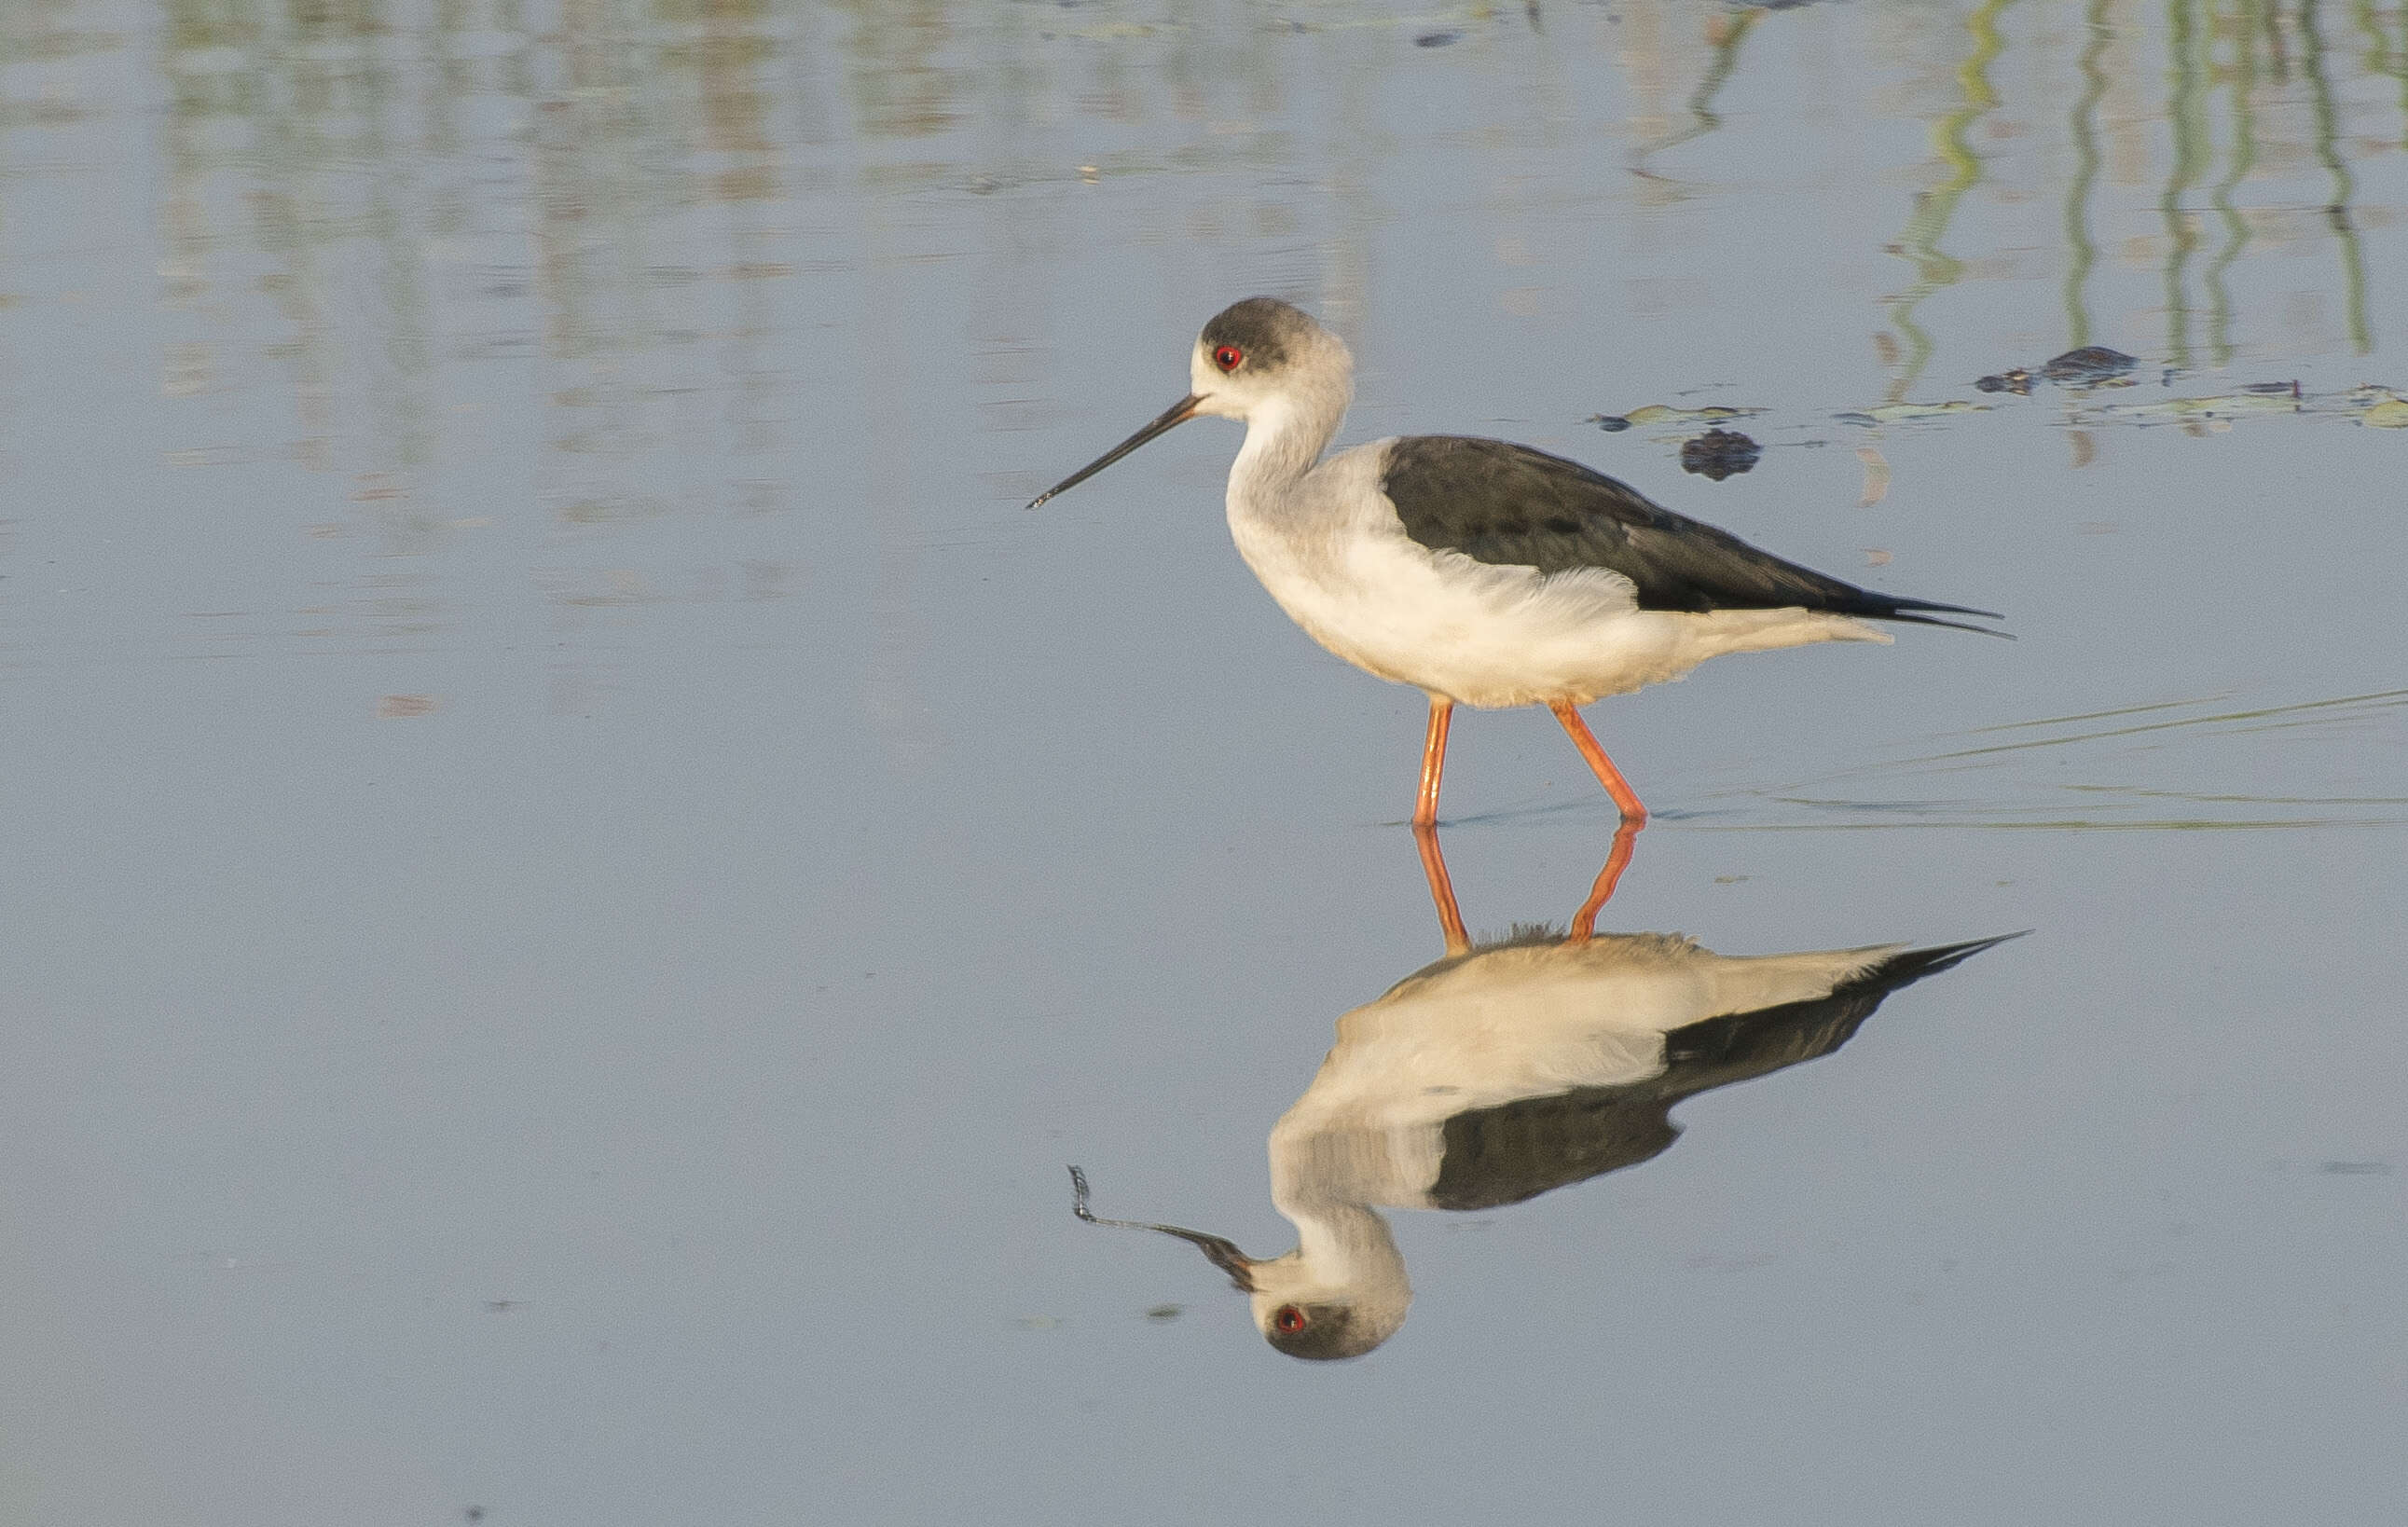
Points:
(1289, 1318)
(1228, 357)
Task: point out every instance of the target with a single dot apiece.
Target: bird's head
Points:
(1305, 1313)
(1260, 360)
(1340, 1294)
(1263, 354)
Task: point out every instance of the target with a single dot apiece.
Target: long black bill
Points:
(1177, 414)
(1223, 1254)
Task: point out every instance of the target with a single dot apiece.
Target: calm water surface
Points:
(582, 868)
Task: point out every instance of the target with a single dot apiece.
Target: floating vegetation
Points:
(2380, 408)
(2390, 412)
(2094, 367)
(1657, 413)
(2224, 405)
(1907, 413)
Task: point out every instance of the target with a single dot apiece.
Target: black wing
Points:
(1517, 1150)
(1509, 504)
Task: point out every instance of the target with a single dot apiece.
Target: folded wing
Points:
(1510, 505)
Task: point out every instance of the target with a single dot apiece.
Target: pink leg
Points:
(1442, 889)
(1606, 774)
(1626, 837)
(1433, 762)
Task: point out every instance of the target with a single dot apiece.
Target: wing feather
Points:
(1511, 506)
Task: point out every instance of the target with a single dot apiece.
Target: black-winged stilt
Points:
(1482, 572)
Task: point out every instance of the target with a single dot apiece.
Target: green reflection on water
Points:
(2384, 57)
(2243, 76)
(898, 88)
(2188, 123)
(1920, 239)
(366, 122)
(2353, 262)
(2084, 122)
(1703, 118)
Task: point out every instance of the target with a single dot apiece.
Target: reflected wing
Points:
(1511, 506)
(1503, 1155)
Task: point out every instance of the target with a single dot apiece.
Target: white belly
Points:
(1493, 637)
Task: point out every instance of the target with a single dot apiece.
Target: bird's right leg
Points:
(1617, 858)
(1433, 761)
(1626, 800)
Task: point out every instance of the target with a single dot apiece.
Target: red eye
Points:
(1289, 1318)
(1228, 358)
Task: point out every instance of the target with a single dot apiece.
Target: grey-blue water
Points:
(581, 867)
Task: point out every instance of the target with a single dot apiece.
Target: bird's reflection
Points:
(1511, 1068)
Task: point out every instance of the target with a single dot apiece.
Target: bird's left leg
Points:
(1625, 798)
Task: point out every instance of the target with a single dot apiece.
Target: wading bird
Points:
(1481, 572)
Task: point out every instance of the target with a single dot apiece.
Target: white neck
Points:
(1348, 1243)
(1285, 437)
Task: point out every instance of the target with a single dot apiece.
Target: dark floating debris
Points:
(2289, 389)
(2088, 366)
(2092, 366)
(1718, 454)
(1437, 39)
